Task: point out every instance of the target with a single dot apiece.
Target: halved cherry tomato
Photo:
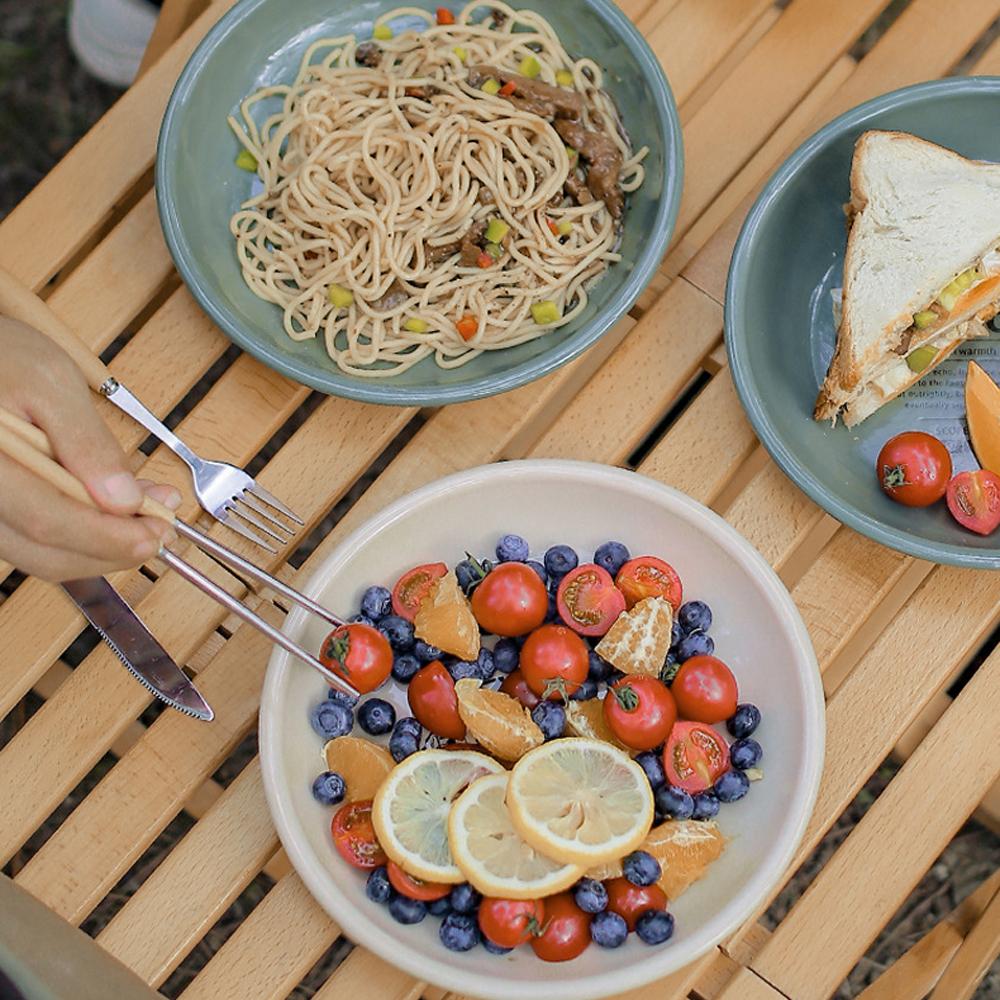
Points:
(359, 653)
(445, 16)
(510, 922)
(415, 888)
(695, 755)
(640, 711)
(974, 500)
(705, 690)
(554, 661)
(631, 901)
(354, 835)
(647, 576)
(913, 468)
(516, 686)
(433, 701)
(566, 932)
(413, 586)
(511, 600)
(588, 600)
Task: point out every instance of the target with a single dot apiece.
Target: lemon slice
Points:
(499, 723)
(411, 807)
(362, 764)
(491, 853)
(580, 801)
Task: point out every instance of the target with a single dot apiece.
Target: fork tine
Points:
(246, 498)
(258, 491)
(235, 507)
(230, 522)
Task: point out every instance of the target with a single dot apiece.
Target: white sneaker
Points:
(110, 36)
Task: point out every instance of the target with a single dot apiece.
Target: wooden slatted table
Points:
(752, 79)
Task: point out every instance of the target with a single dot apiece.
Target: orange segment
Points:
(685, 848)
(362, 764)
(445, 619)
(586, 718)
(982, 407)
(500, 724)
(639, 640)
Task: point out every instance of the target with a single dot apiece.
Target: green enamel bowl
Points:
(780, 332)
(198, 187)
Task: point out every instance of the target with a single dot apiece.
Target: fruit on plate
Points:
(433, 702)
(445, 619)
(588, 600)
(649, 576)
(567, 930)
(974, 500)
(413, 587)
(359, 654)
(354, 835)
(685, 848)
(631, 901)
(511, 600)
(982, 409)
(508, 923)
(580, 801)
(587, 719)
(500, 723)
(554, 662)
(640, 711)
(639, 640)
(362, 764)
(492, 855)
(913, 468)
(705, 690)
(694, 756)
(410, 812)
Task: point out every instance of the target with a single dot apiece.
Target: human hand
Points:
(42, 531)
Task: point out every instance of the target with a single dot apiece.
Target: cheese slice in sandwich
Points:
(921, 272)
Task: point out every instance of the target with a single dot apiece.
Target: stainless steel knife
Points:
(148, 662)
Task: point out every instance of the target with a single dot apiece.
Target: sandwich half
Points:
(921, 272)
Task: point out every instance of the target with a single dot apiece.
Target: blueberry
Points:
(439, 907)
(598, 669)
(590, 895)
(550, 717)
(425, 652)
(655, 926)
(329, 788)
(744, 721)
(650, 762)
(462, 669)
(612, 556)
(363, 619)
(404, 667)
(559, 560)
(745, 753)
(378, 888)
(586, 691)
(641, 868)
(407, 911)
(405, 739)
(410, 725)
(376, 603)
(485, 663)
(495, 949)
(512, 548)
(552, 614)
(506, 655)
(669, 669)
(330, 719)
(540, 570)
(674, 802)
(342, 698)
(676, 633)
(459, 932)
(464, 899)
(695, 616)
(706, 805)
(398, 631)
(614, 675)
(470, 573)
(608, 930)
(376, 716)
(695, 644)
(731, 786)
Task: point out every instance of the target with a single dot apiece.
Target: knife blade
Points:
(148, 662)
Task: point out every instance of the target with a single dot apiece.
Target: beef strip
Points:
(472, 244)
(565, 103)
(368, 54)
(577, 189)
(395, 295)
(604, 163)
(499, 18)
(534, 105)
(435, 255)
(485, 196)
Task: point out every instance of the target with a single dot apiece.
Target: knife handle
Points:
(19, 302)
(30, 446)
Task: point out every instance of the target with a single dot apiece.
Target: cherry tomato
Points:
(359, 653)
(510, 922)
(566, 931)
(516, 686)
(913, 469)
(640, 711)
(647, 576)
(354, 836)
(434, 703)
(415, 888)
(588, 600)
(413, 586)
(554, 661)
(705, 690)
(511, 600)
(974, 500)
(631, 901)
(695, 755)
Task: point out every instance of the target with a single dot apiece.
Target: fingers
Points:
(167, 495)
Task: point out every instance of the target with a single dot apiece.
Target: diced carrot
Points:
(508, 89)
(467, 326)
(553, 228)
(445, 16)
(485, 260)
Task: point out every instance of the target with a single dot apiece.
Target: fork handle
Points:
(141, 414)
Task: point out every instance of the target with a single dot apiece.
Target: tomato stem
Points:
(627, 697)
(894, 477)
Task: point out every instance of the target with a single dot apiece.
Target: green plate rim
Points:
(374, 391)
(738, 346)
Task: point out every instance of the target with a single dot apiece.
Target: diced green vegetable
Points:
(965, 279)
(491, 86)
(564, 78)
(245, 160)
(416, 325)
(382, 32)
(340, 297)
(919, 359)
(496, 231)
(495, 251)
(565, 227)
(949, 296)
(463, 54)
(924, 319)
(530, 67)
(572, 155)
(545, 312)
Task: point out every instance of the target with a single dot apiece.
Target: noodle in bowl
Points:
(388, 168)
